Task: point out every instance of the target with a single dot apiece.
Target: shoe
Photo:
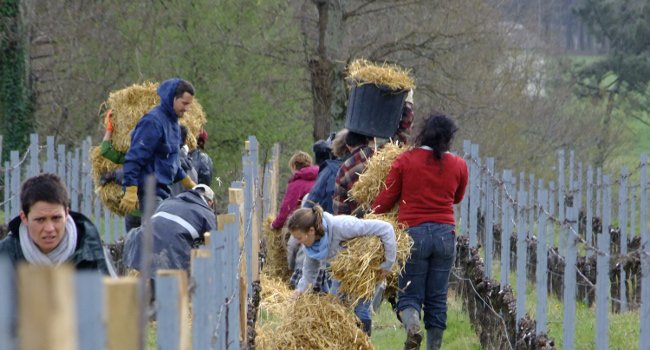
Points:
(434, 338)
(411, 321)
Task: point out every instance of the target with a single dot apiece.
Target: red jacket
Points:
(299, 185)
(424, 191)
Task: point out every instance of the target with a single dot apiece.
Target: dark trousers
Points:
(425, 280)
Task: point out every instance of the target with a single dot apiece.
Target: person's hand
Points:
(107, 121)
(188, 183)
(296, 294)
(129, 201)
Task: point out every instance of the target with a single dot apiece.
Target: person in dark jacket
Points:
(47, 233)
(178, 224)
(323, 191)
(155, 143)
(201, 161)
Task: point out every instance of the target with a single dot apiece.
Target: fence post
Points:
(521, 255)
(622, 224)
(172, 310)
(234, 292)
(531, 204)
(237, 199)
(560, 200)
(61, 163)
(73, 187)
(489, 216)
(464, 204)
(15, 183)
(475, 195)
(202, 317)
(44, 299)
(7, 193)
(602, 270)
(7, 304)
(506, 226)
(590, 216)
(90, 310)
(122, 311)
(645, 256)
(34, 168)
(570, 280)
(86, 181)
(50, 163)
(542, 260)
(219, 249)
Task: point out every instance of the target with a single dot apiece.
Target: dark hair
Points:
(183, 87)
(45, 187)
(304, 218)
(183, 134)
(322, 151)
(354, 139)
(437, 131)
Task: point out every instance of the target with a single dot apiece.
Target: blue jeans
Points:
(362, 309)
(425, 280)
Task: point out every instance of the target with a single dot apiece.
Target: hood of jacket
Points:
(309, 173)
(193, 196)
(166, 91)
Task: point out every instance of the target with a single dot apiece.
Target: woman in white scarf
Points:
(47, 233)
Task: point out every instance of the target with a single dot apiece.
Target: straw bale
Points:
(275, 294)
(313, 321)
(362, 72)
(357, 266)
(371, 180)
(129, 105)
(276, 251)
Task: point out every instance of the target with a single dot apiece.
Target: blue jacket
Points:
(155, 142)
(178, 222)
(323, 189)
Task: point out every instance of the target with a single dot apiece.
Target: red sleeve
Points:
(460, 191)
(289, 204)
(391, 193)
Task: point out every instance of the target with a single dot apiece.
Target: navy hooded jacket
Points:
(323, 189)
(155, 143)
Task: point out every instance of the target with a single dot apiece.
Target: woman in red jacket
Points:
(426, 182)
(303, 179)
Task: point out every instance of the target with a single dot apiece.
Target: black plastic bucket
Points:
(374, 110)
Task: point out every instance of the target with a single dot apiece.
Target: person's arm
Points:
(107, 151)
(309, 273)
(387, 198)
(292, 250)
(350, 227)
(460, 191)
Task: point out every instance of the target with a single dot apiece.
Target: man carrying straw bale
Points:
(321, 235)
(155, 143)
(361, 149)
(426, 181)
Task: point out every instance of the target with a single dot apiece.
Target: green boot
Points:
(434, 338)
(411, 321)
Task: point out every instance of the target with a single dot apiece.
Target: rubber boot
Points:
(434, 338)
(366, 326)
(411, 321)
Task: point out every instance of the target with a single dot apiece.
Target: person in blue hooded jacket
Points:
(155, 143)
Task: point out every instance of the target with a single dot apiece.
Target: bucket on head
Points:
(374, 110)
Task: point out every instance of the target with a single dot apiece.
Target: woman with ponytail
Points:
(426, 182)
(321, 235)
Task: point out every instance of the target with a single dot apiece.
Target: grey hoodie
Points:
(342, 228)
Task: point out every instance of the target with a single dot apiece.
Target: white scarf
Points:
(59, 255)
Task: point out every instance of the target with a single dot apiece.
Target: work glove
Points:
(107, 121)
(188, 183)
(129, 201)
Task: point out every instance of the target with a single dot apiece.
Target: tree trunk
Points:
(327, 68)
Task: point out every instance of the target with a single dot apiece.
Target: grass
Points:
(388, 332)
(623, 327)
